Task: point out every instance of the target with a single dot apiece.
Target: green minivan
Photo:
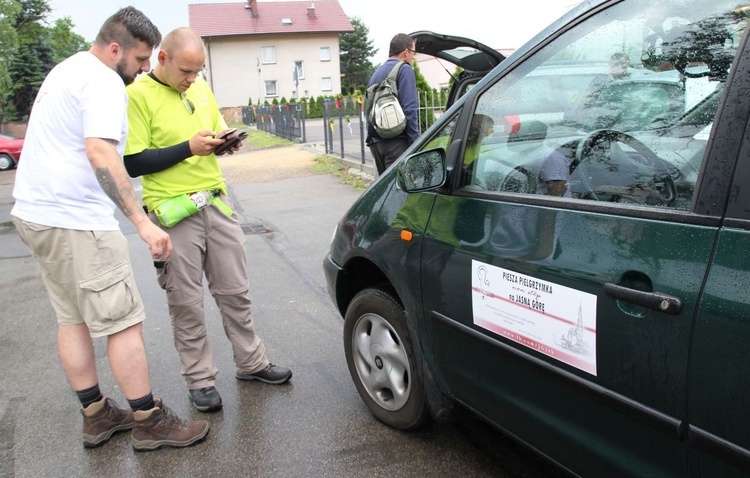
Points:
(582, 286)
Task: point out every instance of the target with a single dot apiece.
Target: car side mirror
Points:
(422, 171)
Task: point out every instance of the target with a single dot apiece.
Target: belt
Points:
(204, 198)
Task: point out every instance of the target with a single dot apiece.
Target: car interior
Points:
(617, 135)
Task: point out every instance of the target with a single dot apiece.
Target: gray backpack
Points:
(382, 109)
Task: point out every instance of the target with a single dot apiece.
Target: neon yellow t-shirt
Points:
(158, 118)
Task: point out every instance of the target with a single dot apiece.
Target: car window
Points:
(442, 137)
(618, 109)
(630, 106)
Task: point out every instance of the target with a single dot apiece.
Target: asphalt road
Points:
(315, 426)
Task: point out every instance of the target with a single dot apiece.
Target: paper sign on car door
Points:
(552, 319)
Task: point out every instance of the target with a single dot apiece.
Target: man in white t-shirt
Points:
(66, 189)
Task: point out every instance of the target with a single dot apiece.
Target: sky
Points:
(507, 24)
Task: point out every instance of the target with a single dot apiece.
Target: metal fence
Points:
(286, 121)
(344, 128)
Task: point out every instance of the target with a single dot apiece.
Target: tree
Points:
(426, 93)
(356, 50)
(31, 61)
(9, 10)
(38, 48)
(30, 65)
(64, 41)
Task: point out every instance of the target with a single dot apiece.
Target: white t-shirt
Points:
(55, 183)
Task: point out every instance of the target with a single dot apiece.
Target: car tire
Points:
(6, 162)
(381, 359)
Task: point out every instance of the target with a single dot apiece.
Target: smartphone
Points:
(227, 133)
(223, 147)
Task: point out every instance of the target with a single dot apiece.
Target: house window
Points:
(325, 54)
(326, 84)
(269, 54)
(271, 88)
(300, 70)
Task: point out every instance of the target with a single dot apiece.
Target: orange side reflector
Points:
(407, 235)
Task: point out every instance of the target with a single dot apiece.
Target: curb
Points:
(355, 167)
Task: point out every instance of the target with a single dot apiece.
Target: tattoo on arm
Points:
(109, 185)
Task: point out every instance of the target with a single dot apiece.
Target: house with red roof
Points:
(266, 50)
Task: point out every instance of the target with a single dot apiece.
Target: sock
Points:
(144, 403)
(89, 395)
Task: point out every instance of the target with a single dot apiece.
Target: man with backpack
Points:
(388, 144)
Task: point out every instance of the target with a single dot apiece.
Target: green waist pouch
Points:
(179, 207)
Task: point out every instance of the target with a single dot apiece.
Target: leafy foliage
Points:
(31, 51)
(425, 91)
(30, 65)
(9, 10)
(64, 41)
(356, 50)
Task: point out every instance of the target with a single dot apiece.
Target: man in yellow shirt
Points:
(174, 120)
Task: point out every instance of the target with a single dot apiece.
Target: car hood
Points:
(463, 52)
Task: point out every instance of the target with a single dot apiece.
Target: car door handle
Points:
(652, 300)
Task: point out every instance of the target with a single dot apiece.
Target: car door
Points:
(561, 274)
(719, 398)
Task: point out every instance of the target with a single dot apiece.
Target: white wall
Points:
(232, 67)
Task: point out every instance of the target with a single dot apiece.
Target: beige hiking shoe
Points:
(160, 427)
(103, 419)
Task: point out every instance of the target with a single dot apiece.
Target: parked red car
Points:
(10, 151)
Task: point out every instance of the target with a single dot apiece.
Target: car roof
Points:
(463, 52)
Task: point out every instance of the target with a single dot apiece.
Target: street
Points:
(315, 426)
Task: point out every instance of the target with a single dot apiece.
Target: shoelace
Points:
(111, 410)
(168, 418)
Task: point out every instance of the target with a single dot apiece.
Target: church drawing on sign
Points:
(574, 339)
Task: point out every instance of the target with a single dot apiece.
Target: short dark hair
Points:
(399, 43)
(127, 27)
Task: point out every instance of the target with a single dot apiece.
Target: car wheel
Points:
(381, 359)
(6, 162)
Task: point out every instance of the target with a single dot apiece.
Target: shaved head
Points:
(181, 58)
(182, 39)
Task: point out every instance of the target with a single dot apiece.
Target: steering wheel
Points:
(519, 180)
(661, 191)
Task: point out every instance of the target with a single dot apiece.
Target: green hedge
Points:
(314, 106)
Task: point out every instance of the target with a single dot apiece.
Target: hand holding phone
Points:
(228, 144)
(227, 133)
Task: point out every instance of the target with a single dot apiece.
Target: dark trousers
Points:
(387, 151)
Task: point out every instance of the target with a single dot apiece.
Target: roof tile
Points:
(228, 19)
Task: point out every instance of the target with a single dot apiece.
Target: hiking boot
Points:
(272, 374)
(160, 427)
(206, 399)
(103, 419)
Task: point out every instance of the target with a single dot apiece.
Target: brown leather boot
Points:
(103, 419)
(160, 427)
